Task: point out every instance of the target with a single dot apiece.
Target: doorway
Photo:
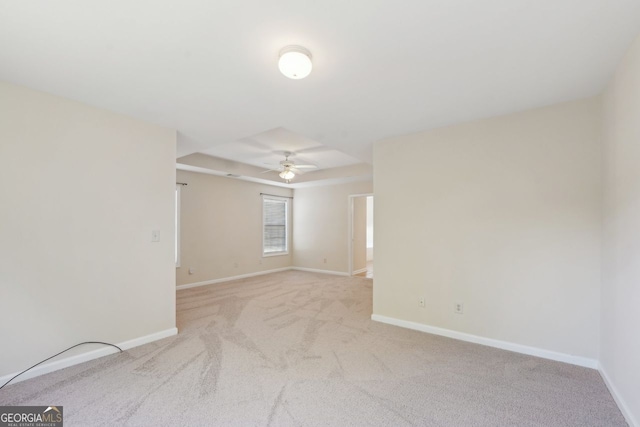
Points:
(361, 235)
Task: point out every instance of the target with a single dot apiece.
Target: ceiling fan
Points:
(288, 169)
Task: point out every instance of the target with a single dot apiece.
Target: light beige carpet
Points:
(299, 349)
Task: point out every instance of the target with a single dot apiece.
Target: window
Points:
(177, 225)
(274, 226)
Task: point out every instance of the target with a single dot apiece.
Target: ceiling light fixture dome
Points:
(287, 174)
(295, 62)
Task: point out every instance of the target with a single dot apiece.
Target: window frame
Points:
(177, 225)
(284, 200)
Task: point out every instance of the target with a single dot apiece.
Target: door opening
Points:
(361, 235)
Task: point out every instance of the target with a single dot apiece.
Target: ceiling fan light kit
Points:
(287, 174)
(295, 62)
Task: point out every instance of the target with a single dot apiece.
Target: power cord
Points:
(57, 354)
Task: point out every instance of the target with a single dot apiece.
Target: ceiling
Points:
(267, 149)
(381, 68)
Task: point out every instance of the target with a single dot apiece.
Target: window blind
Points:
(274, 213)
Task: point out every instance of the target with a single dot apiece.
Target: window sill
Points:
(274, 254)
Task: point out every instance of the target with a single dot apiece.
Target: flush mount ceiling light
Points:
(295, 62)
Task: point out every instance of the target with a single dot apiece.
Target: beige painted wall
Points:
(620, 346)
(320, 223)
(221, 228)
(359, 233)
(82, 189)
(503, 215)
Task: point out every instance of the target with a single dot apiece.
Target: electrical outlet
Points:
(421, 302)
(325, 260)
(236, 265)
(458, 308)
(155, 235)
(192, 270)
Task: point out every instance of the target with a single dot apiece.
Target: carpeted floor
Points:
(299, 349)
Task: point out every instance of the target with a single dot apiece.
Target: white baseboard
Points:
(228, 279)
(362, 270)
(315, 270)
(631, 420)
(258, 273)
(504, 345)
(55, 365)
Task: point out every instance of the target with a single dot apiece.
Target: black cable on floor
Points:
(57, 354)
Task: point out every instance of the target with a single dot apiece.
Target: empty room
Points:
(192, 193)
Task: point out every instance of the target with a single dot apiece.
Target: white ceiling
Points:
(208, 68)
(267, 149)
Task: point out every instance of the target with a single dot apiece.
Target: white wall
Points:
(221, 228)
(370, 228)
(81, 191)
(359, 243)
(620, 344)
(503, 215)
(320, 223)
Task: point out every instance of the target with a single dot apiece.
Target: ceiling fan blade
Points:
(270, 170)
(272, 167)
(300, 171)
(306, 167)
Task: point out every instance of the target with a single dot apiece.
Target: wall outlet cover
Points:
(458, 308)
